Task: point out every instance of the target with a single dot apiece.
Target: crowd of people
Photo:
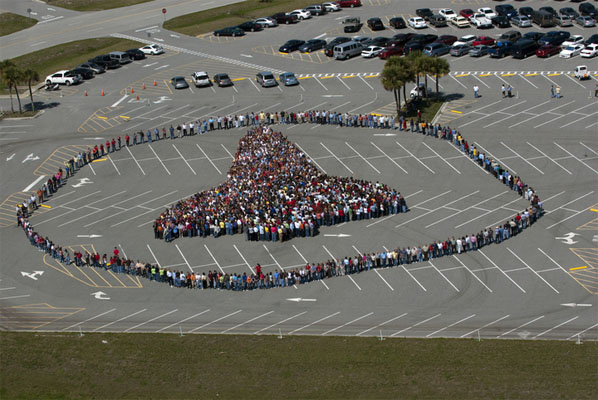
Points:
(293, 198)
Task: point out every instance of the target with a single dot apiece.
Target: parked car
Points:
(267, 22)
(502, 49)
(585, 21)
(266, 79)
(349, 3)
(592, 39)
(480, 21)
(120, 56)
(389, 52)
(487, 11)
(511, 36)
(97, 69)
(506, 10)
(375, 24)
(312, 45)
(291, 45)
(288, 79)
(437, 20)
(571, 51)
(329, 49)
(485, 40)
(448, 13)
(201, 79)
(363, 40)
(282, 18)
(105, 61)
(521, 21)
(352, 24)
(467, 13)
(301, 14)
(371, 51)
(331, 6)
(527, 11)
(590, 51)
(500, 21)
(587, 9)
(569, 12)
(460, 22)
(135, 54)
(419, 91)
(524, 48)
(424, 13)
(548, 50)
(402, 38)
(554, 37)
(563, 20)
(467, 39)
(436, 49)
(233, 31)
(397, 23)
(250, 26)
(317, 9)
(85, 73)
(478, 51)
(573, 39)
(344, 51)
(446, 39)
(63, 77)
(459, 50)
(535, 36)
(152, 49)
(581, 72)
(222, 80)
(549, 10)
(423, 38)
(179, 82)
(381, 41)
(417, 22)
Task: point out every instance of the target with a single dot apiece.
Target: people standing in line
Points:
(509, 91)
(503, 90)
(476, 91)
(558, 92)
(552, 91)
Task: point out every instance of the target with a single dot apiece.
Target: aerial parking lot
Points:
(536, 116)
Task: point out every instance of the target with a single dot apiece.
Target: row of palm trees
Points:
(12, 76)
(399, 71)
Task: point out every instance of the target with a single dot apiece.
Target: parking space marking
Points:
(493, 113)
(414, 325)
(442, 158)
(526, 111)
(362, 157)
(134, 159)
(503, 207)
(180, 322)
(161, 162)
(112, 215)
(315, 322)
(87, 320)
(450, 326)
(531, 269)
(562, 115)
(551, 159)
(465, 209)
(414, 157)
(348, 323)
(521, 157)
(494, 157)
(280, 322)
(503, 272)
(306, 262)
(348, 276)
(246, 322)
(375, 269)
(555, 327)
(184, 258)
(389, 158)
(589, 148)
(338, 159)
(474, 275)
(564, 205)
(153, 255)
(183, 158)
(118, 320)
(382, 324)
(148, 321)
(579, 333)
(575, 157)
(93, 212)
(214, 258)
(310, 157)
(208, 158)
(444, 276)
(456, 80)
(436, 209)
(216, 320)
(520, 326)
(484, 326)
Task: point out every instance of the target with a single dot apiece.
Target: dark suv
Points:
(425, 13)
(105, 61)
(588, 9)
(375, 24)
(250, 26)
(328, 50)
(554, 37)
(506, 10)
(282, 18)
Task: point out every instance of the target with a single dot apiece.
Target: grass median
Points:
(220, 17)
(11, 23)
(93, 5)
(61, 365)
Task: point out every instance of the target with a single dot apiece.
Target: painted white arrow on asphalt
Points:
(298, 299)
(341, 235)
(33, 275)
(11, 157)
(30, 158)
(89, 236)
(98, 295)
(576, 305)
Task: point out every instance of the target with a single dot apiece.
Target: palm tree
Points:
(31, 76)
(426, 63)
(5, 65)
(392, 79)
(438, 67)
(13, 77)
(415, 59)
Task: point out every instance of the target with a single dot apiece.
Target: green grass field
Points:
(10, 23)
(93, 5)
(207, 21)
(160, 366)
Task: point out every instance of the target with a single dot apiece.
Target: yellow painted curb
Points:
(485, 75)
(370, 76)
(99, 160)
(460, 75)
(530, 74)
(304, 77)
(125, 117)
(327, 77)
(45, 206)
(100, 117)
(553, 75)
(573, 269)
(456, 112)
(349, 76)
(238, 79)
(507, 74)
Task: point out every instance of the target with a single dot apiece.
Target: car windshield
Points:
(268, 76)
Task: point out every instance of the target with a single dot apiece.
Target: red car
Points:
(485, 40)
(548, 50)
(467, 13)
(390, 51)
(446, 39)
(349, 3)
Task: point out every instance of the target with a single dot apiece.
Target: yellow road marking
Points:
(238, 79)
(530, 74)
(460, 75)
(125, 117)
(573, 269)
(370, 76)
(167, 86)
(485, 75)
(553, 75)
(327, 77)
(350, 76)
(507, 74)
(100, 117)
(456, 112)
(99, 160)
(593, 209)
(304, 77)
(45, 206)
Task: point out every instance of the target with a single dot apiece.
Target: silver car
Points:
(266, 22)
(266, 79)
(179, 82)
(288, 79)
(459, 50)
(521, 21)
(585, 21)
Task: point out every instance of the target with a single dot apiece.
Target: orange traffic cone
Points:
(155, 83)
(102, 92)
(143, 86)
(132, 91)
(86, 93)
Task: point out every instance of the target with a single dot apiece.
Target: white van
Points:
(347, 50)
(120, 56)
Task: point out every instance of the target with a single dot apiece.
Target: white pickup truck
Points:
(581, 72)
(480, 21)
(63, 78)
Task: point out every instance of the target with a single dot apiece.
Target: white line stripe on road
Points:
(148, 321)
(184, 320)
(120, 101)
(559, 325)
(89, 319)
(35, 182)
(216, 320)
(579, 333)
(474, 275)
(118, 320)
(520, 326)
(382, 324)
(348, 323)
(531, 269)
(503, 272)
(280, 322)
(484, 326)
(315, 322)
(246, 322)
(413, 326)
(451, 325)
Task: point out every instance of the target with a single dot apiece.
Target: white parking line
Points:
(551, 159)
(494, 157)
(413, 326)
(520, 326)
(148, 321)
(183, 158)
(366, 104)
(445, 278)
(349, 276)
(180, 322)
(315, 322)
(496, 112)
(120, 319)
(246, 322)
(559, 325)
(456, 80)
(417, 159)
(213, 258)
(474, 275)
(134, 159)
(362, 157)
(382, 324)
(571, 216)
(375, 270)
(280, 322)
(341, 81)
(485, 326)
(244, 260)
(387, 156)
(579, 333)
(153, 255)
(442, 158)
(216, 320)
(551, 259)
(578, 159)
(321, 84)
(208, 158)
(338, 159)
(366, 82)
(310, 157)
(503, 207)
(87, 320)
(184, 258)
(436, 209)
(526, 111)
(465, 209)
(451, 325)
(518, 155)
(531, 269)
(503, 272)
(306, 262)
(151, 148)
(348, 323)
